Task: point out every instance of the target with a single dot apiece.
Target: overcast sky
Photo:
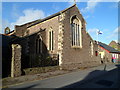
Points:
(98, 15)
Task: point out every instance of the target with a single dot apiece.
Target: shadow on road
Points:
(118, 69)
(92, 76)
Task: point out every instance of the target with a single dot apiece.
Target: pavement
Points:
(68, 79)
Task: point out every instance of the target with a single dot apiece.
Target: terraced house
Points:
(60, 39)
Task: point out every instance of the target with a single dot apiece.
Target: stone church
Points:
(61, 36)
(60, 39)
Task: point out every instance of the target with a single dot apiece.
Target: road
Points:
(108, 80)
(101, 76)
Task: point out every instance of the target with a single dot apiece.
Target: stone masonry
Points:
(69, 57)
(16, 60)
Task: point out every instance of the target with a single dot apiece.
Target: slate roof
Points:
(51, 16)
(108, 48)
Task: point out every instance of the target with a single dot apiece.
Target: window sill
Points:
(76, 46)
(51, 51)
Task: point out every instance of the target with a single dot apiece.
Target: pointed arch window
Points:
(39, 45)
(76, 32)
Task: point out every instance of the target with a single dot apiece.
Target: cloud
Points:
(93, 30)
(115, 33)
(90, 5)
(116, 41)
(87, 16)
(28, 16)
(93, 33)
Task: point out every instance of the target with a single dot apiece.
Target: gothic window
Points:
(51, 40)
(76, 32)
(39, 45)
(91, 47)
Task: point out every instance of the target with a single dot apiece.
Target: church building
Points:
(61, 37)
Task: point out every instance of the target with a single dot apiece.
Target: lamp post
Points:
(97, 38)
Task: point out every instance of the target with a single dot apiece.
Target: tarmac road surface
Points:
(104, 76)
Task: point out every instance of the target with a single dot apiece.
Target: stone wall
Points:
(77, 57)
(47, 25)
(62, 39)
(16, 60)
(21, 30)
(107, 55)
(43, 29)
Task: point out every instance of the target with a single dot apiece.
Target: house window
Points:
(51, 40)
(39, 45)
(76, 32)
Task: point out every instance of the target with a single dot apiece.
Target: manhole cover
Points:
(104, 82)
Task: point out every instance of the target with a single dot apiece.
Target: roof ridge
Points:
(53, 15)
(107, 47)
(68, 8)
